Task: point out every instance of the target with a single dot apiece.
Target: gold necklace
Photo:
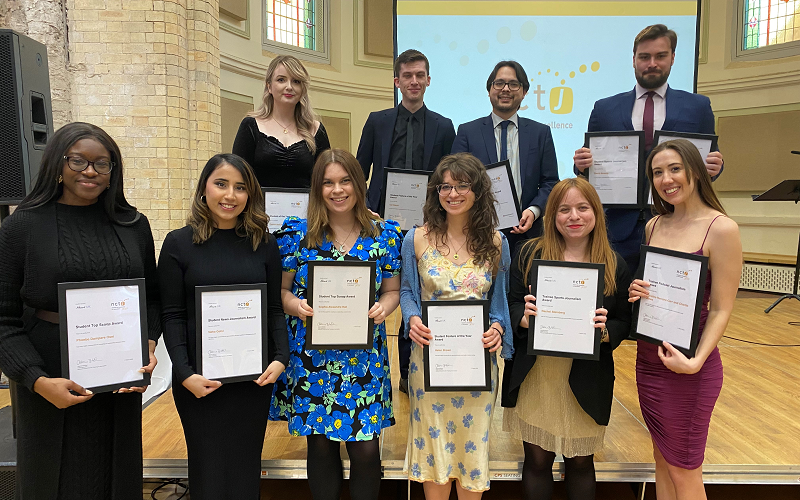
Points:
(285, 129)
(455, 255)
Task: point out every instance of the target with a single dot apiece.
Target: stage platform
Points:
(754, 436)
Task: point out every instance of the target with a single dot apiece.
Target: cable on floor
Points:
(168, 483)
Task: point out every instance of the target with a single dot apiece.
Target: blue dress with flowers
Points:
(344, 395)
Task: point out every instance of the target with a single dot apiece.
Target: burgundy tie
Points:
(647, 121)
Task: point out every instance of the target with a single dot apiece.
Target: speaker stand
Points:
(4, 211)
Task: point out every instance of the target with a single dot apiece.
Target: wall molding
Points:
(749, 83)
(702, 57)
(231, 28)
(359, 58)
(240, 66)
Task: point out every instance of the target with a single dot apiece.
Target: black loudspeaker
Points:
(26, 111)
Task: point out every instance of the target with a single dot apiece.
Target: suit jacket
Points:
(592, 382)
(537, 155)
(686, 112)
(376, 144)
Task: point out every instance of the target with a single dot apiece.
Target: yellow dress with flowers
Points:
(449, 431)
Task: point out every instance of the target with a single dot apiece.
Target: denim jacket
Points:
(411, 297)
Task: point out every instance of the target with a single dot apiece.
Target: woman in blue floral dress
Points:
(338, 395)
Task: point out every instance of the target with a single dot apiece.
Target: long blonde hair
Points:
(251, 223)
(551, 245)
(318, 223)
(304, 115)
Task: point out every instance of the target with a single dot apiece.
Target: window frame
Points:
(322, 18)
(777, 51)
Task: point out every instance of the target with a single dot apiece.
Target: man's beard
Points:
(652, 83)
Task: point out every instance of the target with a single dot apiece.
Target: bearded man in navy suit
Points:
(651, 105)
(408, 136)
(526, 144)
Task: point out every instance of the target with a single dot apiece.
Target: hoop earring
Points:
(203, 198)
(60, 179)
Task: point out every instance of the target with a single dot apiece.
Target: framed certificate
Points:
(341, 292)
(505, 194)
(617, 171)
(231, 325)
(404, 193)
(456, 359)
(104, 333)
(280, 203)
(672, 312)
(567, 295)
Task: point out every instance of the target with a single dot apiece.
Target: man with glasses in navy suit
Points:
(651, 105)
(526, 144)
(408, 136)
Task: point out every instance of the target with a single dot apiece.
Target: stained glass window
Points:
(770, 22)
(294, 22)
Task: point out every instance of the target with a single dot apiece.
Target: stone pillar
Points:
(148, 73)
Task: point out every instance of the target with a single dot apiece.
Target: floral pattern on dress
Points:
(449, 431)
(345, 395)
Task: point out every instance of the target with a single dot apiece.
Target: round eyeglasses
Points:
(78, 164)
(512, 85)
(445, 189)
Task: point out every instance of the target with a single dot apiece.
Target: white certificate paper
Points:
(405, 194)
(615, 168)
(104, 335)
(231, 337)
(702, 145)
(669, 313)
(456, 358)
(341, 294)
(282, 204)
(506, 201)
(566, 298)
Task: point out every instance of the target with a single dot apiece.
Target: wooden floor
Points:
(754, 429)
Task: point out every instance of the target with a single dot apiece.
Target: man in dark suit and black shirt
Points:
(409, 136)
(651, 105)
(385, 138)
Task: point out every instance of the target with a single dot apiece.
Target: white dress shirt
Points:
(512, 149)
(659, 107)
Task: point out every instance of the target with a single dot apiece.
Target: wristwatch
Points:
(604, 336)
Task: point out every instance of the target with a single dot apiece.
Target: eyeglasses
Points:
(79, 164)
(445, 189)
(500, 84)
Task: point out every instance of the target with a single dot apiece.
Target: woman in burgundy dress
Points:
(677, 394)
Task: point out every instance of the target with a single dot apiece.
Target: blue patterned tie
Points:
(504, 140)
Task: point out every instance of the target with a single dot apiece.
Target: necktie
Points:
(504, 139)
(647, 121)
(409, 142)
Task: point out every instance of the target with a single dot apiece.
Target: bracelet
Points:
(604, 336)
(498, 331)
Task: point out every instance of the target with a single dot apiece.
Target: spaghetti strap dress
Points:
(677, 407)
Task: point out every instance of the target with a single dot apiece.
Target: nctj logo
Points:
(353, 282)
(468, 321)
(578, 283)
(244, 305)
(684, 275)
(119, 305)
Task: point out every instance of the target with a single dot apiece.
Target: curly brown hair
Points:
(482, 221)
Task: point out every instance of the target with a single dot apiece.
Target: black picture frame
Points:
(484, 305)
(698, 304)
(507, 165)
(687, 135)
(64, 326)
(368, 265)
(198, 295)
(641, 183)
(388, 172)
(534, 281)
(265, 190)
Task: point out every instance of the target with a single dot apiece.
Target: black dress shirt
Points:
(397, 158)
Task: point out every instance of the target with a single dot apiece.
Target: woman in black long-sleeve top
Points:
(226, 242)
(560, 405)
(75, 225)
